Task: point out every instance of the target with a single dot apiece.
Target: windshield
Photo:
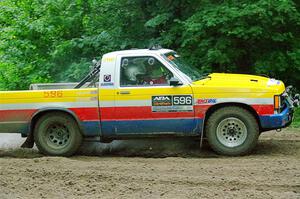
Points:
(191, 72)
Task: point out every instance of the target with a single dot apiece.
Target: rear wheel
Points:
(232, 131)
(57, 134)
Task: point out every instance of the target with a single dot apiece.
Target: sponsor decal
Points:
(107, 84)
(107, 78)
(175, 103)
(206, 101)
(94, 98)
(172, 108)
(162, 100)
(94, 92)
(273, 82)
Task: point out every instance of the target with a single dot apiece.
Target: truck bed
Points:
(17, 108)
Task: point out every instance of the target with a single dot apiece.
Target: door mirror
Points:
(174, 81)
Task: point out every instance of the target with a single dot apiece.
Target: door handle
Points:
(124, 92)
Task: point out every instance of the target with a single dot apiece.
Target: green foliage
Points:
(54, 41)
(296, 122)
(259, 37)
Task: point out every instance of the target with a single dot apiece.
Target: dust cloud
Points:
(164, 147)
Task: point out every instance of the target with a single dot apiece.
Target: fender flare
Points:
(216, 106)
(45, 110)
(29, 142)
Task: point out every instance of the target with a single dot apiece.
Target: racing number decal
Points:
(182, 100)
(53, 94)
(175, 103)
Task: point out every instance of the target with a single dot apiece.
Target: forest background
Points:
(55, 40)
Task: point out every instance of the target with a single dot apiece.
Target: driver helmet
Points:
(132, 70)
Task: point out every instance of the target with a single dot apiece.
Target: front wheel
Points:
(57, 134)
(232, 131)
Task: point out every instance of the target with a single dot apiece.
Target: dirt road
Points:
(156, 169)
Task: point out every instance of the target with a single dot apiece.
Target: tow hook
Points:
(278, 130)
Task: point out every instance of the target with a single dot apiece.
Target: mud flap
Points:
(29, 142)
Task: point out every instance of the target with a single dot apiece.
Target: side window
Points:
(143, 71)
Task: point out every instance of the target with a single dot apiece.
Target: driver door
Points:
(145, 103)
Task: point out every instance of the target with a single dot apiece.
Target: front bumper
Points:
(277, 121)
(285, 117)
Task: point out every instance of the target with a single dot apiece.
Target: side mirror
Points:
(174, 81)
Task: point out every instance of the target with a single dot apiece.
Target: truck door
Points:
(145, 103)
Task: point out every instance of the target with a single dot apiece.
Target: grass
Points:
(296, 122)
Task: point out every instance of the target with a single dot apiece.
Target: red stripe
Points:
(261, 109)
(139, 112)
(264, 109)
(26, 114)
(200, 110)
(86, 114)
(124, 113)
(16, 115)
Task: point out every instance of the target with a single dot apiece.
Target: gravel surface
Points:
(169, 168)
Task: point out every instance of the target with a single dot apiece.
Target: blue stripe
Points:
(142, 127)
(276, 120)
(14, 128)
(91, 128)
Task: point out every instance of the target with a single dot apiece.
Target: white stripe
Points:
(47, 105)
(122, 103)
(127, 103)
(249, 101)
(130, 103)
(14, 122)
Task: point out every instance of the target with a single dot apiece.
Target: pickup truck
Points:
(149, 93)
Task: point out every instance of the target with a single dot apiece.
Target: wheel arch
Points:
(37, 115)
(29, 142)
(215, 107)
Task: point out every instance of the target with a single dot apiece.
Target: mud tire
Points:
(57, 134)
(219, 134)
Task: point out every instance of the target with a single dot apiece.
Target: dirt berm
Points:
(155, 169)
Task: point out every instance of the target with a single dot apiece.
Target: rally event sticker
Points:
(172, 103)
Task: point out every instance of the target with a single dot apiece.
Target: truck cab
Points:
(142, 94)
(150, 93)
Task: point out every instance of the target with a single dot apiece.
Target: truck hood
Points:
(241, 83)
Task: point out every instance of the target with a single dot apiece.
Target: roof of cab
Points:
(137, 52)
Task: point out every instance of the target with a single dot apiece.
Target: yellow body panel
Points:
(221, 85)
(36, 96)
(146, 93)
(217, 86)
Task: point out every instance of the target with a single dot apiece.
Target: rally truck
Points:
(145, 93)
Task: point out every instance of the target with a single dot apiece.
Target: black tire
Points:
(57, 134)
(226, 134)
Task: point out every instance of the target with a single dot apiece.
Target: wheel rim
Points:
(57, 136)
(232, 132)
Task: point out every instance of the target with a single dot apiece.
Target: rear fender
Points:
(29, 142)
